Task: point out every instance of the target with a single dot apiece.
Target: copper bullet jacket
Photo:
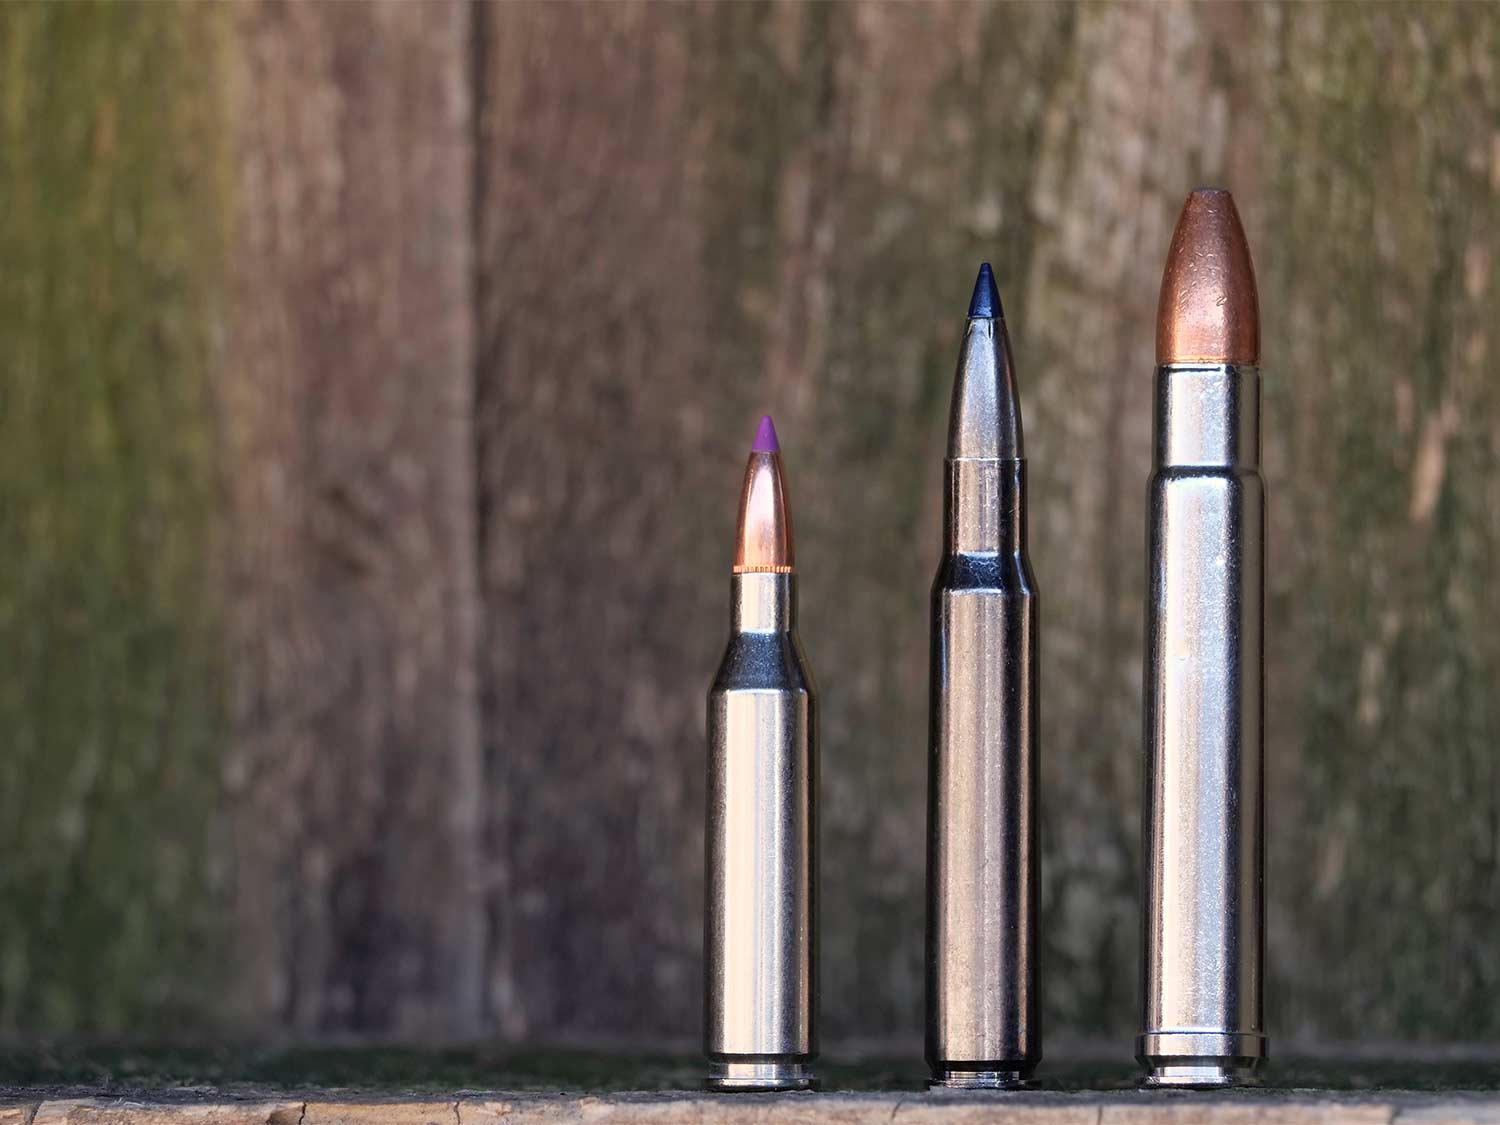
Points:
(1208, 311)
(764, 540)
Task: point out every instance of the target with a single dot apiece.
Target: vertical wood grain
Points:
(378, 384)
(348, 395)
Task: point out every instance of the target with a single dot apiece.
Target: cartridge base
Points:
(951, 1078)
(1200, 1075)
(765, 1077)
(1200, 1060)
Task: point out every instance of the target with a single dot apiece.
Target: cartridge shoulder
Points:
(1000, 574)
(763, 662)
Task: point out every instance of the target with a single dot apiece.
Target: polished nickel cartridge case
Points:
(983, 1025)
(760, 987)
(1203, 799)
(1203, 834)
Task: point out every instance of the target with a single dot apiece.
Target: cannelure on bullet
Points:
(760, 918)
(983, 1023)
(1203, 810)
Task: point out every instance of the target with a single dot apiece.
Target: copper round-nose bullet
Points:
(1208, 311)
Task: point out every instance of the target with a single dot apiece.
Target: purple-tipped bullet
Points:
(760, 981)
(765, 437)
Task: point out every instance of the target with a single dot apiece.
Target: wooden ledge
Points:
(1040, 1108)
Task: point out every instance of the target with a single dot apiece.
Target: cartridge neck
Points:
(763, 602)
(984, 507)
(1208, 415)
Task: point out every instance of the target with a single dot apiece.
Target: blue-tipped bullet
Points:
(986, 299)
(986, 418)
(983, 1016)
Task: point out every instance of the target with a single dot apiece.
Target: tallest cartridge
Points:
(1203, 909)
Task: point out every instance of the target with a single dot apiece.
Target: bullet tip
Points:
(986, 421)
(986, 299)
(765, 437)
(1208, 311)
(764, 539)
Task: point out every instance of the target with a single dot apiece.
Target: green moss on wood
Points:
(109, 700)
(1381, 406)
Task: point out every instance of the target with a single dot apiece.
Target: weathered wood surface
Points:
(111, 721)
(347, 385)
(377, 385)
(805, 249)
(454, 1087)
(833, 1109)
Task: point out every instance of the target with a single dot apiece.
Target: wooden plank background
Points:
(377, 385)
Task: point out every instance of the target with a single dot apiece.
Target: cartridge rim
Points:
(764, 1077)
(952, 1078)
(1199, 1074)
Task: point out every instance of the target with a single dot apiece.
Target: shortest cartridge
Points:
(760, 993)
